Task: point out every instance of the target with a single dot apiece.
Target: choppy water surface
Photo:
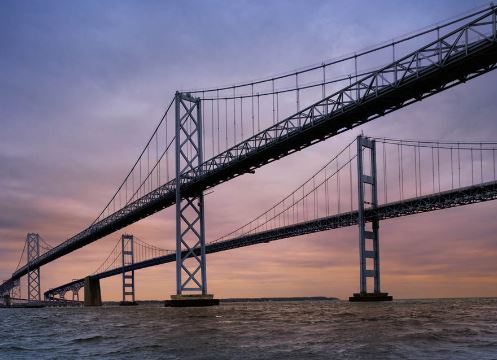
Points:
(407, 329)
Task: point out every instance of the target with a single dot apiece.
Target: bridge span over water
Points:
(242, 127)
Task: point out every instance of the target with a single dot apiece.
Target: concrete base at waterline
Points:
(370, 297)
(128, 303)
(191, 300)
(93, 296)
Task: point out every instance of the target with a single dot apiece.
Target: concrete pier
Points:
(128, 303)
(370, 297)
(93, 296)
(191, 300)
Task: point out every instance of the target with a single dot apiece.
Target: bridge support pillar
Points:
(128, 258)
(33, 247)
(369, 250)
(15, 292)
(93, 296)
(75, 295)
(191, 277)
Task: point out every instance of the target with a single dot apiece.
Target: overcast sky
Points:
(83, 84)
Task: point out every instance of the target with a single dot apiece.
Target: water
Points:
(403, 329)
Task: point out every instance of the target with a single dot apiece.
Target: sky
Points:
(83, 85)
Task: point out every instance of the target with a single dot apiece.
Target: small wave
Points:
(89, 339)
(372, 319)
(13, 348)
(345, 314)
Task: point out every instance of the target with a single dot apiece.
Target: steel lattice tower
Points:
(368, 228)
(33, 246)
(128, 258)
(190, 225)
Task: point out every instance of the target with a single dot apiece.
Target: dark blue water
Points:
(403, 329)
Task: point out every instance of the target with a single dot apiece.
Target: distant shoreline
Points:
(273, 299)
(243, 300)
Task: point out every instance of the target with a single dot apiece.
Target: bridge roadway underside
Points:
(443, 200)
(481, 58)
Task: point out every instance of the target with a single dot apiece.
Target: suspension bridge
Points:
(245, 126)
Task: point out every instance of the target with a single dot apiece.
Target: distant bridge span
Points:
(444, 200)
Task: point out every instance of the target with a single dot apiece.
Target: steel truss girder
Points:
(190, 223)
(367, 183)
(403, 82)
(33, 251)
(128, 258)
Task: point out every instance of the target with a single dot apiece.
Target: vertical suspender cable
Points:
(252, 99)
(493, 158)
(415, 170)
(234, 117)
(241, 118)
(402, 169)
(472, 170)
(226, 120)
(385, 187)
(323, 87)
(350, 181)
(218, 129)
(338, 186)
(157, 160)
(438, 167)
(272, 84)
(277, 106)
(326, 192)
(357, 86)
(433, 166)
(298, 91)
(481, 163)
(459, 162)
(203, 127)
(212, 128)
(419, 169)
(258, 115)
(451, 169)
(398, 159)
